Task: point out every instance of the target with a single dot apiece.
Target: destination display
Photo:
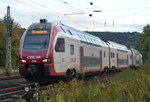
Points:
(39, 31)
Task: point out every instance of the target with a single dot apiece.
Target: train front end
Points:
(34, 51)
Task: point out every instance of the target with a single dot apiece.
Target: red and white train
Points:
(51, 50)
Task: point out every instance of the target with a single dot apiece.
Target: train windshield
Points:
(37, 40)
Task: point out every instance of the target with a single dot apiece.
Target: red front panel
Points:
(52, 48)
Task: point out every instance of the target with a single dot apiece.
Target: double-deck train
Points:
(53, 50)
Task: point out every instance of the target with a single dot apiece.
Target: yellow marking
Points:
(39, 32)
(122, 51)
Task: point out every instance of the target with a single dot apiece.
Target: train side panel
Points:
(122, 59)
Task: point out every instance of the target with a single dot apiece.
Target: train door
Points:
(81, 59)
(127, 61)
(60, 51)
(117, 60)
(100, 55)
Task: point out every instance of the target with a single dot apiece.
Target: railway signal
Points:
(8, 42)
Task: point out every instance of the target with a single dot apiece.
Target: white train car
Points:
(49, 50)
(83, 53)
(136, 58)
(121, 55)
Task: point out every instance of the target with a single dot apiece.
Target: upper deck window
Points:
(69, 32)
(62, 29)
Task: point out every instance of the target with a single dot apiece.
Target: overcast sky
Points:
(116, 15)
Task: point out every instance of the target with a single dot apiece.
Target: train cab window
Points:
(60, 45)
(72, 49)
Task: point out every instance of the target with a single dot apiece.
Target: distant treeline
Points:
(126, 38)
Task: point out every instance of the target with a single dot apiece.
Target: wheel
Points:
(105, 70)
(113, 68)
(71, 74)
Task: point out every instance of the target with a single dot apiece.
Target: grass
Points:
(128, 86)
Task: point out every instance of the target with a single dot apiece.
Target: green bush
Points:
(127, 86)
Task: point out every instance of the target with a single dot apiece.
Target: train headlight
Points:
(23, 61)
(46, 60)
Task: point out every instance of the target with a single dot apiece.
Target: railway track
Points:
(10, 77)
(13, 92)
(20, 91)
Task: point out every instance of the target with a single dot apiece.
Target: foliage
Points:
(2, 43)
(126, 38)
(16, 35)
(128, 86)
(144, 43)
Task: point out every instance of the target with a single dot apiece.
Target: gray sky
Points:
(116, 15)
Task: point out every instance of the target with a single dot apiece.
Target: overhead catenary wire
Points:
(82, 12)
(100, 21)
(41, 10)
(57, 12)
(52, 13)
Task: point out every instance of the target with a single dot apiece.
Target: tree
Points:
(16, 35)
(144, 43)
(2, 43)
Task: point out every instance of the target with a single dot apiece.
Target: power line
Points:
(36, 8)
(49, 12)
(81, 11)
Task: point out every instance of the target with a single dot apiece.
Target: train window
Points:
(79, 37)
(104, 54)
(111, 55)
(91, 40)
(62, 29)
(72, 49)
(94, 41)
(88, 40)
(130, 56)
(60, 45)
(82, 38)
(36, 41)
(97, 42)
(85, 39)
(69, 32)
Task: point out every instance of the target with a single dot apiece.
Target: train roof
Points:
(82, 36)
(136, 52)
(118, 46)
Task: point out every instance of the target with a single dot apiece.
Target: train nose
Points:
(33, 69)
